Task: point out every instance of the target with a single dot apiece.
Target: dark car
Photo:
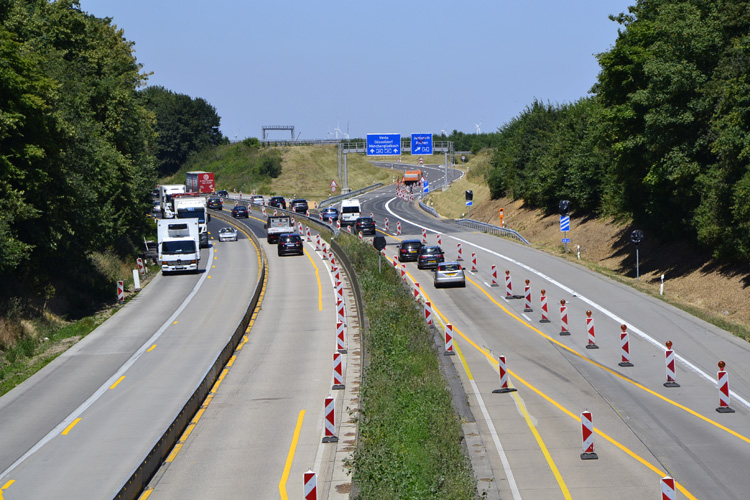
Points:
(364, 224)
(299, 205)
(429, 257)
(277, 201)
(215, 202)
(290, 243)
(240, 211)
(408, 250)
(330, 214)
(222, 193)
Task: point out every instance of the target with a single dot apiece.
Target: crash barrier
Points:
(489, 228)
(146, 469)
(351, 194)
(427, 209)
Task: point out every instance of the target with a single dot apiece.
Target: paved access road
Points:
(643, 430)
(79, 427)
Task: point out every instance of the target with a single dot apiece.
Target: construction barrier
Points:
(307, 213)
(360, 236)
(624, 347)
(508, 285)
(331, 257)
(386, 225)
(310, 486)
(307, 230)
(449, 340)
(340, 338)
(670, 365)
(723, 386)
(338, 224)
(503, 377)
(340, 311)
(473, 262)
(120, 292)
(440, 239)
(275, 213)
(329, 435)
(325, 250)
(398, 228)
(340, 290)
(417, 291)
(667, 489)
(545, 312)
(590, 331)
(527, 295)
(263, 209)
(349, 228)
(403, 273)
(338, 372)
(428, 312)
(141, 267)
(317, 242)
(424, 236)
(460, 254)
(563, 318)
(587, 433)
(493, 273)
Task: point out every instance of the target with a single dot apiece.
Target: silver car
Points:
(450, 274)
(227, 234)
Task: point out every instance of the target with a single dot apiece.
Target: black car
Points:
(215, 202)
(290, 243)
(277, 201)
(428, 257)
(222, 193)
(330, 214)
(240, 211)
(364, 224)
(299, 205)
(408, 250)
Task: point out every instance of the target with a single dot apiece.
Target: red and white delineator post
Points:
(587, 433)
(624, 347)
(428, 312)
(340, 338)
(460, 254)
(338, 372)
(307, 213)
(275, 212)
(449, 340)
(473, 262)
(335, 271)
(120, 291)
(325, 252)
(440, 239)
(508, 285)
(527, 297)
(371, 216)
(545, 312)
(386, 225)
(320, 216)
(141, 267)
(338, 224)
(307, 231)
(590, 332)
(329, 434)
(417, 291)
(360, 236)
(503, 377)
(339, 289)
(310, 485)
(670, 365)
(493, 273)
(317, 242)
(424, 236)
(563, 318)
(668, 489)
(398, 228)
(403, 272)
(723, 386)
(263, 209)
(331, 257)
(340, 312)
(349, 228)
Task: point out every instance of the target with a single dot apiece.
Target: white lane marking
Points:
(105, 386)
(710, 378)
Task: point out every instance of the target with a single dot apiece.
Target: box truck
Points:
(165, 198)
(178, 245)
(200, 182)
(191, 206)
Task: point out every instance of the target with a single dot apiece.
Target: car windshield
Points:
(450, 267)
(430, 250)
(293, 238)
(178, 247)
(240, 207)
(226, 230)
(350, 210)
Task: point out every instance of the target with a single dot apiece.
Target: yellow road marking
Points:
(317, 277)
(151, 348)
(118, 382)
(70, 427)
(290, 456)
(146, 494)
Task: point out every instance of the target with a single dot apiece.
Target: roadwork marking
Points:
(290, 456)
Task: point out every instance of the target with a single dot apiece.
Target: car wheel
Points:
(437, 285)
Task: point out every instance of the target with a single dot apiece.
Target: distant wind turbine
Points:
(478, 125)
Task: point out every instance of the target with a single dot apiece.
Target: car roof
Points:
(432, 247)
(411, 242)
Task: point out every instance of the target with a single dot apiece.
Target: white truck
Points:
(178, 245)
(187, 206)
(276, 225)
(165, 198)
(351, 210)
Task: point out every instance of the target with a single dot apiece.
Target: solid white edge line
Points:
(593, 304)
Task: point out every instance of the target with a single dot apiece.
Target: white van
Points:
(351, 210)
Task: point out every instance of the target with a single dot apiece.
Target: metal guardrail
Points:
(489, 228)
(335, 199)
(427, 209)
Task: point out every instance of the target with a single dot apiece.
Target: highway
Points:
(642, 429)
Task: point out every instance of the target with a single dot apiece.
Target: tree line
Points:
(664, 138)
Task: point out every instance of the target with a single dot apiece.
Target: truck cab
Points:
(178, 245)
(187, 206)
(351, 210)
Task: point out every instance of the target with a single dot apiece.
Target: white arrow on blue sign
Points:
(564, 223)
(383, 144)
(421, 144)
(425, 186)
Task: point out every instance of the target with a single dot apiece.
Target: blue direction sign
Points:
(421, 144)
(566, 240)
(565, 223)
(383, 144)
(425, 186)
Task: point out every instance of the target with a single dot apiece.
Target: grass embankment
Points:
(410, 435)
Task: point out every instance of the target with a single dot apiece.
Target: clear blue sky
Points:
(387, 66)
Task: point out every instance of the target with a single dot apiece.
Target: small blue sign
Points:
(469, 203)
(566, 240)
(564, 223)
(421, 144)
(383, 144)
(425, 186)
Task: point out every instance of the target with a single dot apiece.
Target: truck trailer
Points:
(276, 225)
(178, 245)
(166, 191)
(200, 182)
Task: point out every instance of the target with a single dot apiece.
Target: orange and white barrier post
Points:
(671, 372)
(424, 236)
(508, 285)
(428, 312)
(527, 294)
(563, 318)
(493, 273)
(338, 372)
(723, 386)
(624, 347)
(503, 377)
(667, 489)
(587, 432)
(340, 338)
(545, 312)
(590, 331)
(120, 292)
(398, 228)
(329, 435)
(473, 262)
(449, 340)
(460, 254)
(310, 486)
